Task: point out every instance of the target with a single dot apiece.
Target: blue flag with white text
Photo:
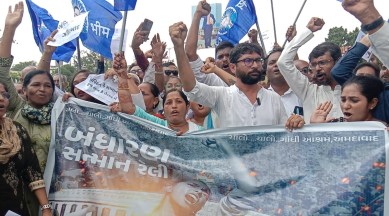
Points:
(237, 20)
(42, 26)
(124, 5)
(99, 26)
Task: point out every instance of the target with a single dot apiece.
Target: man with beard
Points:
(321, 60)
(222, 50)
(244, 104)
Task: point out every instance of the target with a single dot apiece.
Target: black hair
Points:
(154, 90)
(371, 65)
(131, 66)
(74, 76)
(275, 50)
(222, 45)
(169, 63)
(324, 47)
(244, 48)
(370, 87)
(30, 75)
(175, 90)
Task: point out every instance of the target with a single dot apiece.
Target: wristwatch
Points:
(372, 25)
(46, 206)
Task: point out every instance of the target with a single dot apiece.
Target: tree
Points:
(341, 37)
(88, 61)
(21, 65)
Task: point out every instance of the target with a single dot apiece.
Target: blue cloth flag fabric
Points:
(124, 5)
(237, 19)
(99, 26)
(42, 26)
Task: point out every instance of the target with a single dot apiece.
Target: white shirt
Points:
(290, 100)
(209, 79)
(311, 94)
(235, 109)
(380, 43)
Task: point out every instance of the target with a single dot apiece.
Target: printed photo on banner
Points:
(107, 163)
(209, 26)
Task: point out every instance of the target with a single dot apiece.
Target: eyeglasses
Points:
(321, 64)
(250, 61)
(304, 70)
(173, 72)
(5, 95)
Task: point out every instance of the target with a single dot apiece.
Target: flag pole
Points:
(122, 32)
(261, 39)
(78, 54)
(274, 22)
(295, 21)
(59, 75)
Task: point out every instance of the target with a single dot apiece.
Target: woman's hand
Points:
(294, 121)
(320, 115)
(115, 107)
(66, 96)
(120, 65)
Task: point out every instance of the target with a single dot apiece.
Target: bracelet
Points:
(160, 72)
(46, 206)
(372, 25)
(124, 88)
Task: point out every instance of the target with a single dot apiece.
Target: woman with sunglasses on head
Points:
(175, 102)
(359, 98)
(34, 114)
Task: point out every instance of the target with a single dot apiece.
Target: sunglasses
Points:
(173, 72)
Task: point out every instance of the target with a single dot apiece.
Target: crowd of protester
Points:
(240, 86)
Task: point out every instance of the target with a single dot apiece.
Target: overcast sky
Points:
(167, 12)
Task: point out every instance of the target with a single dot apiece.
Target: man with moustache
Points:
(321, 60)
(244, 104)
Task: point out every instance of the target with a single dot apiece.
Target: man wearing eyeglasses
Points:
(321, 60)
(244, 104)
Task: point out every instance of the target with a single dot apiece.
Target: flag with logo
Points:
(42, 26)
(99, 27)
(237, 19)
(124, 5)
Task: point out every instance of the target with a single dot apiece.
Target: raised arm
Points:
(343, 69)
(177, 33)
(211, 67)
(137, 40)
(12, 21)
(158, 50)
(126, 87)
(373, 23)
(44, 62)
(203, 9)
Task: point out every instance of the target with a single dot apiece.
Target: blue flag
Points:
(237, 20)
(42, 26)
(124, 5)
(99, 26)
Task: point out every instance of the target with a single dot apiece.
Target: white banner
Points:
(68, 30)
(105, 91)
